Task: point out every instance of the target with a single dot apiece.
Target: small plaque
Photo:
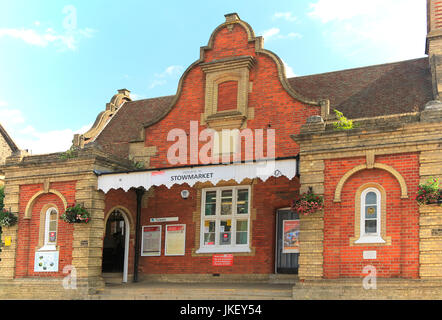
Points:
(222, 260)
(436, 232)
(46, 261)
(369, 255)
(166, 219)
(8, 241)
(84, 243)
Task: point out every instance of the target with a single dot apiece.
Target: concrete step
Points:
(195, 291)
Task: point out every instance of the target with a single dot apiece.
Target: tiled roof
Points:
(378, 90)
(127, 123)
(391, 88)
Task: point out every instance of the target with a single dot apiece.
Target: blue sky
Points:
(61, 61)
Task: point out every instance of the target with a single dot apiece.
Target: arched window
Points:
(370, 216)
(50, 230)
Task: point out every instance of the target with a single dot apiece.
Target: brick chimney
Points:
(434, 44)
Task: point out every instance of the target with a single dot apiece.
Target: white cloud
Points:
(270, 33)
(41, 142)
(289, 73)
(27, 137)
(275, 33)
(389, 30)
(171, 72)
(66, 40)
(135, 96)
(285, 15)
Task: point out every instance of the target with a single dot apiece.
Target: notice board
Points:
(175, 240)
(151, 241)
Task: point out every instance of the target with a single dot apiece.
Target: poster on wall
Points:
(290, 236)
(46, 261)
(151, 241)
(175, 240)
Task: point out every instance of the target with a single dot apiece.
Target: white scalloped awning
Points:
(192, 175)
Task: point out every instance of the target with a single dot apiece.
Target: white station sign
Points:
(209, 173)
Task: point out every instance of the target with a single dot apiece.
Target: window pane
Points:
(209, 233)
(210, 209)
(226, 202)
(371, 212)
(370, 226)
(53, 226)
(370, 198)
(224, 232)
(241, 232)
(241, 238)
(209, 239)
(242, 202)
(53, 215)
(241, 225)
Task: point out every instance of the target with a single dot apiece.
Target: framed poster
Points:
(175, 240)
(46, 261)
(151, 241)
(290, 236)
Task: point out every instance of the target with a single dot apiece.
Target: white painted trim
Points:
(234, 217)
(47, 246)
(370, 238)
(126, 246)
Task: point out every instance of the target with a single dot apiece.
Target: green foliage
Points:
(69, 154)
(2, 196)
(429, 192)
(343, 123)
(138, 165)
(76, 213)
(308, 203)
(7, 218)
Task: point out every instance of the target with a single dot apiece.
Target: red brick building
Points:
(160, 210)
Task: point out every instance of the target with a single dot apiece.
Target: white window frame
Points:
(370, 237)
(47, 245)
(234, 217)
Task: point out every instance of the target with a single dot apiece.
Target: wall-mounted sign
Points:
(151, 241)
(175, 240)
(84, 243)
(290, 236)
(52, 236)
(46, 261)
(222, 260)
(436, 232)
(8, 241)
(165, 219)
(369, 255)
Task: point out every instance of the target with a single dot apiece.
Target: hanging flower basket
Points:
(308, 203)
(76, 213)
(429, 192)
(7, 218)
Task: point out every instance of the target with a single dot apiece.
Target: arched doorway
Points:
(116, 244)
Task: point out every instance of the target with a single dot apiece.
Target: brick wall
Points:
(266, 198)
(227, 95)
(28, 233)
(401, 258)
(272, 105)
